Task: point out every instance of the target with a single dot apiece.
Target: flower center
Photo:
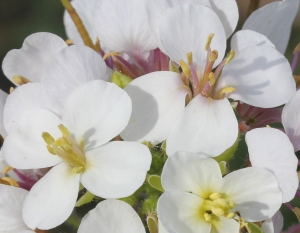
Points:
(67, 149)
(216, 206)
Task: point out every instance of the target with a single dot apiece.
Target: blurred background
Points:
(20, 18)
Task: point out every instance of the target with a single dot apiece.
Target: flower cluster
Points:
(141, 114)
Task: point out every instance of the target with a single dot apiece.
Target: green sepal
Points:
(150, 204)
(86, 198)
(119, 79)
(152, 223)
(254, 228)
(223, 167)
(131, 200)
(155, 182)
(229, 153)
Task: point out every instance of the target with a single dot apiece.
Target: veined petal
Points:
(96, 112)
(224, 225)
(261, 75)
(51, 200)
(274, 224)
(274, 21)
(291, 121)
(26, 149)
(31, 95)
(11, 203)
(180, 212)
(271, 149)
(85, 11)
(116, 169)
(30, 60)
(121, 26)
(246, 38)
(157, 99)
(189, 33)
(73, 66)
(3, 97)
(112, 216)
(190, 172)
(206, 126)
(256, 201)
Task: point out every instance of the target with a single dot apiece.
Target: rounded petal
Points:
(256, 201)
(206, 126)
(31, 95)
(3, 97)
(51, 200)
(246, 38)
(11, 203)
(73, 66)
(85, 11)
(190, 172)
(157, 99)
(26, 149)
(261, 75)
(274, 224)
(30, 60)
(291, 120)
(96, 112)
(116, 169)
(274, 21)
(179, 212)
(112, 216)
(191, 31)
(121, 26)
(271, 149)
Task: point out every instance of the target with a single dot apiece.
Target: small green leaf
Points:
(119, 79)
(86, 198)
(155, 182)
(223, 167)
(228, 154)
(254, 228)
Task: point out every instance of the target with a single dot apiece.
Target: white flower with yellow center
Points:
(197, 198)
(78, 147)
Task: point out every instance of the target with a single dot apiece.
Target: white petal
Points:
(261, 75)
(3, 97)
(116, 169)
(189, 32)
(26, 149)
(73, 66)
(51, 200)
(207, 126)
(245, 38)
(121, 26)
(30, 60)
(157, 99)
(191, 173)
(112, 216)
(291, 120)
(96, 112)
(271, 149)
(31, 95)
(179, 212)
(274, 224)
(225, 225)
(256, 201)
(85, 11)
(274, 21)
(11, 203)
(161, 228)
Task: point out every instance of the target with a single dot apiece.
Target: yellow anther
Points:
(69, 42)
(6, 169)
(63, 143)
(230, 215)
(208, 41)
(189, 57)
(63, 129)
(11, 90)
(227, 90)
(10, 181)
(76, 170)
(211, 78)
(231, 204)
(207, 217)
(186, 70)
(213, 56)
(214, 196)
(297, 48)
(48, 138)
(51, 150)
(110, 54)
(217, 211)
(230, 56)
(20, 80)
(296, 211)
(221, 202)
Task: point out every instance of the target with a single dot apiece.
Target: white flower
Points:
(197, 197)
(93, 114)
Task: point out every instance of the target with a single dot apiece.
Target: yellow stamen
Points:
(51, 150)
(11, 90)
(189, 58)
(110, 54)
(65, 132)
(9, 181)
(213, 56)
(296, 211)
(186, 70)
(208, 41)
(63, 143)
(230, 56)
(211, 78)
(207, 217)
(214, 196)
(69, 42)
(231, 204)
(267, 126)
(217, 211)
(6, 169)
(48, 138)
(220, 202)
(20, 80)
(297, 48)
(78, 23)
(230, 215)
(227, 90)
